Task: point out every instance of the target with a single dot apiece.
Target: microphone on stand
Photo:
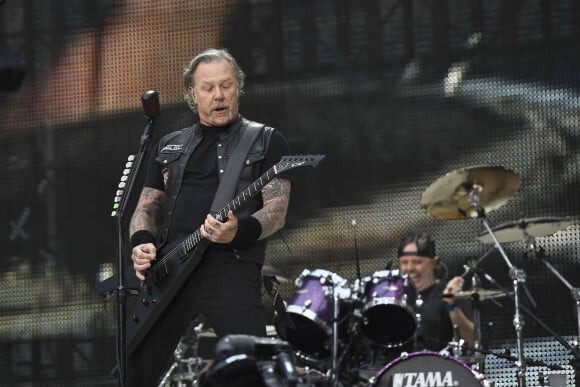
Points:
(150, 102)
(151, 109)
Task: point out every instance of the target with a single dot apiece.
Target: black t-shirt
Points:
(201, 179)
(435, 329)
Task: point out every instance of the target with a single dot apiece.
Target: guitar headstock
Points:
(296, 161)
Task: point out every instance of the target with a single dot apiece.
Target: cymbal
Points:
(269, 270)
(482, 294)
(448, 196)
(521, 229)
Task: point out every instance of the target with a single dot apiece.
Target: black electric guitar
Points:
(167, 275)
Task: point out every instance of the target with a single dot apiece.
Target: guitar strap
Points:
(225, 193)
(232, 174)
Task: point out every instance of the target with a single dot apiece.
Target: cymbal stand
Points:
(476, 303)
(517, 276)
(471, 267)
(335, 317)
(541, 255)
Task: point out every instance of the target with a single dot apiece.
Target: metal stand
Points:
(574, 291)
(517, 276)
(477, 346)
(150, 102)
(335, 317)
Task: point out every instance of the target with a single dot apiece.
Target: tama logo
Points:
(424, 379)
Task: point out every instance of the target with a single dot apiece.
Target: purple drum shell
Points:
(311, 310)
(389, 318)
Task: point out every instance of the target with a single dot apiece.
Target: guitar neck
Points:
(181, 250)
(248, 193)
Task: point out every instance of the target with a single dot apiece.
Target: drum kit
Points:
(331, 317)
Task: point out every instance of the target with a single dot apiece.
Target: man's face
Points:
(420, 269)
(215, 93)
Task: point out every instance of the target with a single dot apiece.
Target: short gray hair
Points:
(210, 55)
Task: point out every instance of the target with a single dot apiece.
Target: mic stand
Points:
(517, 276)
(123, 194)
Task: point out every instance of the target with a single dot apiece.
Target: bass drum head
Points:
(427, 369)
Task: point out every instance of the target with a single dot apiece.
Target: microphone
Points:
(150, 102)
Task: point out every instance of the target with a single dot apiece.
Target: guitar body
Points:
(168, 274)
(154, 296)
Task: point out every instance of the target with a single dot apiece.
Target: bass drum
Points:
(427, 369)
(311, 309)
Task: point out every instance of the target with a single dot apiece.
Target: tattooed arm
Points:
(272, 216)
(143, 228)
(147, 211)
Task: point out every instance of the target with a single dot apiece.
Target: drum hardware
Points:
(271, 271)
(540, 253)
(477, 294)
(472, 193)
(527, 230)
(523, 229)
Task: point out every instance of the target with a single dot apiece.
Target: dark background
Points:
(368, 84)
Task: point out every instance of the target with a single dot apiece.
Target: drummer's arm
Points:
(458, 318)
(464, 325)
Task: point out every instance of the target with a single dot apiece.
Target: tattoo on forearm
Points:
(275, 195)
(147, 211)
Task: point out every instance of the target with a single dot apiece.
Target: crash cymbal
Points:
(269, 270)
(448, 197)
(521, 229)
(482, 294)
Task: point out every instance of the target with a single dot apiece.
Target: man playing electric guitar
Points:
(182, 180)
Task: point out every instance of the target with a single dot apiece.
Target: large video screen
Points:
(404, 98)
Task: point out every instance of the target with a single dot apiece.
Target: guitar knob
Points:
(135, 318)
(145, 302)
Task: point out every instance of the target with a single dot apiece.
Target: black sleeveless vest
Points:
(174, 151)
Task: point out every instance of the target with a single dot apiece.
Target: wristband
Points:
(141, 237)
(451, 306)
(249, 230)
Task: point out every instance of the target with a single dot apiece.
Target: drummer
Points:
(442, 318)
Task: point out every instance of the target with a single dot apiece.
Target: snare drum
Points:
(311, 309)
(428, 369)
(388, 303)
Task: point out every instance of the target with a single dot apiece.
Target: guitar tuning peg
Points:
(126, 171)
(131, 158)
(122, 184)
